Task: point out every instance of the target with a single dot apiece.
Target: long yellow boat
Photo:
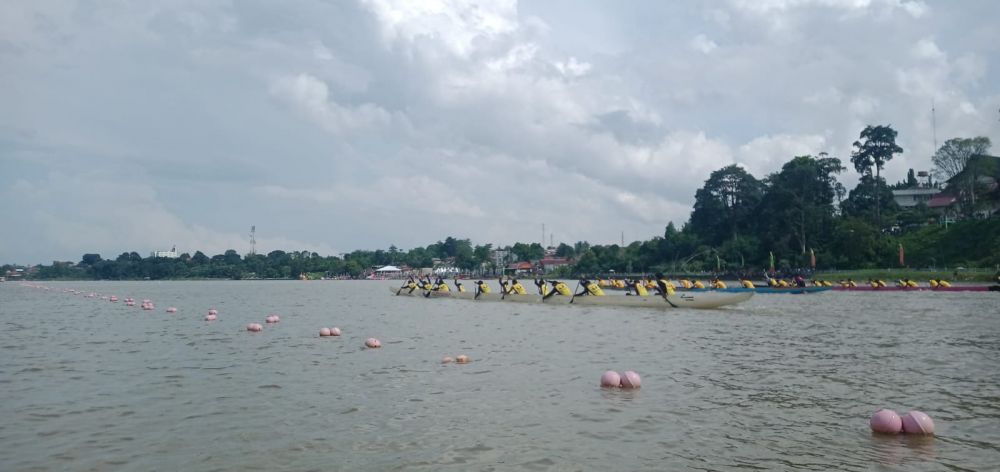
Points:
(707, 299)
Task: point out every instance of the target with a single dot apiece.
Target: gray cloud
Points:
(336, 126)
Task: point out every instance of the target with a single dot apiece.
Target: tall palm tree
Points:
(878, 147)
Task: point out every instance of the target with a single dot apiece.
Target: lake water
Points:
(780, 382)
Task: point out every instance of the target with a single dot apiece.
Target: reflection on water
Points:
(781, 382)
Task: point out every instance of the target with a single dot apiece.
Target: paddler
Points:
(543, 289)
(481, 288)
(718, 283)
(558, 288)
(439, 286)
(410, 284)
(459, 286)
(747, 283)
(516, 288)
(590, 288)
(638, 286)
(663, 286)
(697, 284)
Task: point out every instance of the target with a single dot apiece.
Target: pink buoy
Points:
(255, 327)
(462, 359)
(272, 319)
(885, 421)
(611, 379)
(373, 343)
(113, 298)
(210, 317)
(335, 331)
(171, 310)
(631, 380)
(213, 311)
(917, 422)
(446, 360)
(324, 332)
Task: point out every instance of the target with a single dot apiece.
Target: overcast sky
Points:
(342, 125)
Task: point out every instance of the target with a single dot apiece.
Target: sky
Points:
(333, 126)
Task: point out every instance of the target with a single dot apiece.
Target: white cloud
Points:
(311, 96)
(765, 154)
(703, 44)
(926, 48)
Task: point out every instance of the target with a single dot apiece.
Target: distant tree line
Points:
(739, 224)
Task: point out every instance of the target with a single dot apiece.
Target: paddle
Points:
(401, 289)
(574, 291)
(503, 289)
(663, 291)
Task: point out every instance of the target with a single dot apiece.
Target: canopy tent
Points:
(389, 268)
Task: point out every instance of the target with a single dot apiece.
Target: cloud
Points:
(703, 44)
(311, 96)
(332, 125)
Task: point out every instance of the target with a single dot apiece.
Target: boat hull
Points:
(960, 288)
(702, 300)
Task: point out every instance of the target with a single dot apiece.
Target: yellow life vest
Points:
(773, 283)
(519, 289)
(595, 290)
(484, 288)
(686, 283)
(640, 290)
(944, 283)
(443, 288)
(719, 284)
(783, 283)
(827, 283)
(934, 283)
(411, 285)
(461, 288)
(428, 286)
(563, 289)
(747, 284)
(881, 283)
(544, 289)
(911, 284)
(698, 284)
(650, 285)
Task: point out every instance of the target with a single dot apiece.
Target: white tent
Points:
(389, 268)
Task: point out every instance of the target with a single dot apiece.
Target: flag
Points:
(812, 259)
(772, 261)
(902, 260)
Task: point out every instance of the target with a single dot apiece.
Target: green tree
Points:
(724, 207)
(798, 208)
(862, 201)
(90, 259)
(876, 147)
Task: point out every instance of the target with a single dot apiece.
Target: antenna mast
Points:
(934, 125)
(253, 240)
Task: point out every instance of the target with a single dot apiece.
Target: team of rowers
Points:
(658, 284)
(511, 286)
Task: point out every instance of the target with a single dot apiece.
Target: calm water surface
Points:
(781, 382)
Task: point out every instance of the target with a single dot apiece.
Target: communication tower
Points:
(253, 240)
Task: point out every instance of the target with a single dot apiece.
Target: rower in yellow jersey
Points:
(558, 288)
(639, 287)
(543, 289)
(517, 288)
(590, 288)
(481, 288)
